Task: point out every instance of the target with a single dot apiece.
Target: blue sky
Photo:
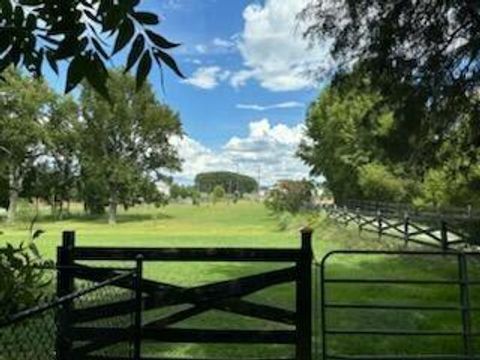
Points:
(243, 104)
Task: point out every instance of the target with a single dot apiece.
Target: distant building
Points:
(164, 187)
(263, 192)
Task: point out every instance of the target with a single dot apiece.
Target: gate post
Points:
(65, 286)
(444, 235)
(303, 349)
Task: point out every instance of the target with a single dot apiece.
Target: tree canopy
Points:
(79, 32)
(24, 109)
(125, 145)
(364, 152)
(432, 47)
(231, 182)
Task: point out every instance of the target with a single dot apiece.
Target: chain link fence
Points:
(39, 333)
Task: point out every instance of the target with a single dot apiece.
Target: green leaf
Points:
(19, 16)
(97, 76)
(52, 62)
(169, 61)
(135, 52)
(146, 18)
(75, 73)
(143, 69)
(160, 41)
(100, 49)
(37, 233)
(125, 34)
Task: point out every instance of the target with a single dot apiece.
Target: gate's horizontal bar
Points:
(187, 254)
(103, 357)
(391, 307)
(393, 281)
(402, 357)
(393, 332)
(220, 336)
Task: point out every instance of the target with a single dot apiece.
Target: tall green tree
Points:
(125, 144)
(355, 143)
(62, 148)
(433, 47)
(23, 112)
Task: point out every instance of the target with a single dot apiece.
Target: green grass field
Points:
(248, 224)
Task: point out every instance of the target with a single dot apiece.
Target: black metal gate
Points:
(398, 305)
(84, 340)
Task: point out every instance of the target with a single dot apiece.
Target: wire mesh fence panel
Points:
(41, 332)
(96, 310)
(30, 339)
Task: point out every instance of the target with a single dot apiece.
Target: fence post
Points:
(358, 219)
(65, 286)
(465, 305)
(379, 220)
(304, 298)
(406, 227)
(137, 328)
(444, 235)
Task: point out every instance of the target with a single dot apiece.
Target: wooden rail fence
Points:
(444, 232)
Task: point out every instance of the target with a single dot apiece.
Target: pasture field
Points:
(248, 224)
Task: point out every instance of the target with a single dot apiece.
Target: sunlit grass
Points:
(249, 224)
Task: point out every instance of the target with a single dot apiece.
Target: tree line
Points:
(105, 153)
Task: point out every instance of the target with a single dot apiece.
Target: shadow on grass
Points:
(345, 266)
(103, 219)
(410, 267)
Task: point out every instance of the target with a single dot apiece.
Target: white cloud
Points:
(273, 49)
(283, 105)
(268, 150)
(223, 43)
(217, 46)
(201, 49)
(207, 78)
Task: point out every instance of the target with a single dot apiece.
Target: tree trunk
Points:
(14, 185)
(112, 210)
(12, 205)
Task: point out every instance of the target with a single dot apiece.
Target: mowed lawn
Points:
(249, 224)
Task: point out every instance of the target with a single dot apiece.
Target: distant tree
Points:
(290, 196)
(218, 193)
(78, 32)
(125, 144)
(23, 112)
(231, 182)
(185, 192)
(62, 147)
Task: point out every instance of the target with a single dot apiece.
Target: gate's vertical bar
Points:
(322, 310)
(406, 224)
(465, 305)
(65, 286)
(304, 298)
(444, 235)
(379, 221)
(137, 335)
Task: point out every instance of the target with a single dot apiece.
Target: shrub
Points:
(23, 281)
(290, 196)
(284, 221)
(218, 193)
(377, 182)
